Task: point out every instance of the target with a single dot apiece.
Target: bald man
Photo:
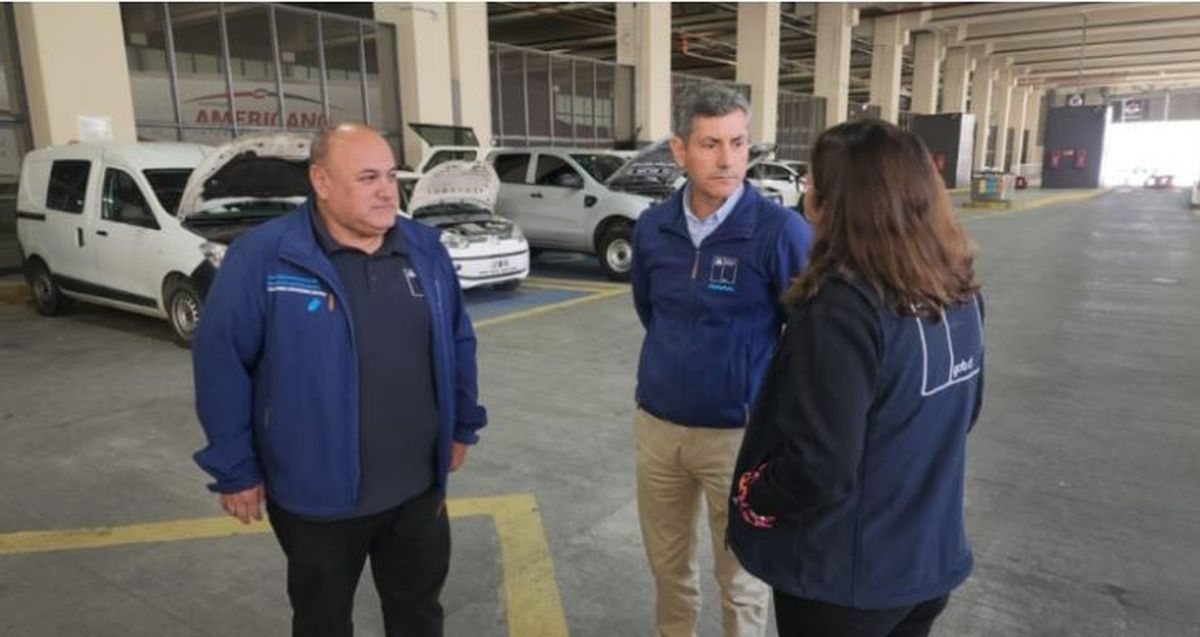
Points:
(336, 382)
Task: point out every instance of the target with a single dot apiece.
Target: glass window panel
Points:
(341, 66)
(156, 133)
(12, 150)
(382, 77)
(512, 168)
(68, 185)
(537, 76)
(563, 98)
(604, 101)
(298, 56)
(253, 64)
(553, 171)
(146, 56)
(202, 90)
(168, 185)
(123, 202)
(512, 96)
(10, 95)
(584, 100)
(495, 90)
(210, 136)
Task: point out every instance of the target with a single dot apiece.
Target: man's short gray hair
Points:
(707, 99)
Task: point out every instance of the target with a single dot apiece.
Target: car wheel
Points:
(183, 311)
(48, 298)
(616, 252)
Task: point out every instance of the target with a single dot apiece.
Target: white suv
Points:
(143, 227)
(558, 196)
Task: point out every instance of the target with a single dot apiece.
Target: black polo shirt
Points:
(398, 415)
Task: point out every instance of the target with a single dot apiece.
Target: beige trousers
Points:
(676, 467)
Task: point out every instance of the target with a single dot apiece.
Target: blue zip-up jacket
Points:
(712, 314)
(862, 426)
(276, 371)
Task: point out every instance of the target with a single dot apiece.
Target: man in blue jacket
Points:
(710, 265)
(335, 379)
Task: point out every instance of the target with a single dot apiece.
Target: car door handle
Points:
(536, 195)
(79, 236)
(103, 233)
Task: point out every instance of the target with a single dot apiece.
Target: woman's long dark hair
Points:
(885, 219)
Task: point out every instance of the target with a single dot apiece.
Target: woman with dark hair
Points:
(848, 492)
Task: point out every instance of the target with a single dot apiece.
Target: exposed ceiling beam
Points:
(1185, 65)
(1014, 12)
(1123, 28)
(1017, 48)
(1098, 51)
(1114, 61)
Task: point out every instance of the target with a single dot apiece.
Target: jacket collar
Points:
(300, 245)
(740, 224)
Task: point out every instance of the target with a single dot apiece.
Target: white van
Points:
(143, 227)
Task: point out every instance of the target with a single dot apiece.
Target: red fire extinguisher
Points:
(1055, 158)
(1080, 159)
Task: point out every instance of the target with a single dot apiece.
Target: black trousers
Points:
(798, 617)
(409, 547)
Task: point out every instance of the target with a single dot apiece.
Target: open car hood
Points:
(266, 166)
(654, 173)
(456, 182)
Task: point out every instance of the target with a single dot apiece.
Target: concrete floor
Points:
(1083, 488)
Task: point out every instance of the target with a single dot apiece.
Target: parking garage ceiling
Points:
(1125, 47)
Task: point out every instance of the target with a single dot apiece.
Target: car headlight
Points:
(213, 252)
(453, 241)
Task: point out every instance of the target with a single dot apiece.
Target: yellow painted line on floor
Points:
(552, 307)
(1068, 197)
(530, 594)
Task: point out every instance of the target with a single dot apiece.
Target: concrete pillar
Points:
(887, 58)
(62, 46)
(927, 65)
(1002, 96)
(959, 64)
(758, 64)
(644, 40)
(470, 68)
(1020, 103)
(831, 77)
(1033, 119)
(423, 58)
(981, 106)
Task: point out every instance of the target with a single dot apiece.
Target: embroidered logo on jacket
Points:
(292, 284)
(723, 275)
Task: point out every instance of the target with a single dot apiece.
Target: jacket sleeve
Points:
(830, 358)
(790, 254)
(639, 278)
(224, 353)
(470, 416)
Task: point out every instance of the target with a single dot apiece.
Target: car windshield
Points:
(168, 184)
(599, 166)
